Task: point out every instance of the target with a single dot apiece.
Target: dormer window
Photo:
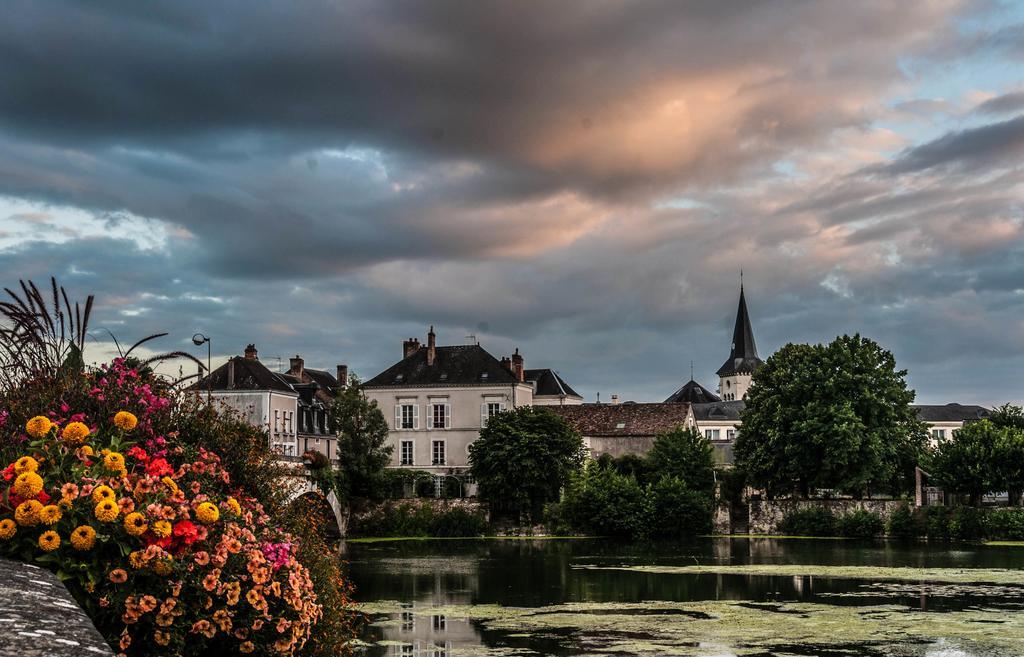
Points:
(483, 377)
(620, 425)
(444, 376)
(399, 378)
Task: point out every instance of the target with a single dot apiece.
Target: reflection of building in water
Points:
(420, 649)
(420, 634)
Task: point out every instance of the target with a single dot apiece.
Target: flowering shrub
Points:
(148, 529)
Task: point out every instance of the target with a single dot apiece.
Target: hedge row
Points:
(411, 519)
(937, 523)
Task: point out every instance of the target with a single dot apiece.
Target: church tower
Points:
(734, 375)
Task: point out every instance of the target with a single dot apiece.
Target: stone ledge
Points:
(39, 618)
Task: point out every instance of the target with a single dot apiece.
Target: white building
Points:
(438, 398)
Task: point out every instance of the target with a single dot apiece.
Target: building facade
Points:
(291, 407)
(628, 428)
(437, 398)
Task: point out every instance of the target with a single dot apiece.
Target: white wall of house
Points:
(272, 410)
(431, 428)
(556, 400)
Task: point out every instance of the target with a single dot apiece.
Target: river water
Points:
(712, 597)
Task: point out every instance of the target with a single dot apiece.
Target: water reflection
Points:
(427, 577)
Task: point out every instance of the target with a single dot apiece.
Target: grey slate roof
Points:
(453, 365)
(743, 358)
(950, 412)
(40, 618)
(693, 393)
(250, 374)
(719, 411)
(548, 383)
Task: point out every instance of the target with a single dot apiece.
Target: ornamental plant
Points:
(149, 530)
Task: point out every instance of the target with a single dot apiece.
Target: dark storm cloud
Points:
(989, 144)
(1005, 104)
(334, 177)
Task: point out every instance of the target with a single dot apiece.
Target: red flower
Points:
(186, 531)
(158, 468)
(43, 496)
(9, 472)
(138, 453)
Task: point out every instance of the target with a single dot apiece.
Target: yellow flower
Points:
(114, 461)
(136, 559)
(125, 421)
(135, 524)
(107, 511)
(74, 432)
(83, 538)
(235, 507)
(49, 541)
(38, 426)
(27, 484)
(163, 566)
(64, 504)
(162, 528)
(25, 464)
(8, 528)
(84, 451)
(101, 493)
(49, 514)
(27, 513)
(207, 513)
(167, 481)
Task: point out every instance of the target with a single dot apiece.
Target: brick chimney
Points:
(250, 352)
(431, 346)
(615, 399)
(296, 365)
(506, 363)
(517, 367)
(410, 346)
(342, 376)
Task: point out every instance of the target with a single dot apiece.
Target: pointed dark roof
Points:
(743, 359)
(548, 383)
(460, 364)
(249, 374)
(693, 393)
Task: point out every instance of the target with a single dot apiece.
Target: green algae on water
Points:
(870, 573)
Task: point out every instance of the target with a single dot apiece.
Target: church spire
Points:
(743, 356)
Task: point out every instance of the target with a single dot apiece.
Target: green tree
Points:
(966, 463)
(830, 416)
(362, 436)
(1008, 416)
(601, 502)
(523, 458)
(677, 510)
(686, 455)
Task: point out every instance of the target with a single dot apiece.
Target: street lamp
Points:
(198, 339)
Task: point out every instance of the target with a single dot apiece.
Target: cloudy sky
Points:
(583, 180)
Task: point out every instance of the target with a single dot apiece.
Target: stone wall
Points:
(39, 617)
(765, 515)
(721, 519)
(470, 504)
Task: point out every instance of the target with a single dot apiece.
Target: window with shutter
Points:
(447, 416)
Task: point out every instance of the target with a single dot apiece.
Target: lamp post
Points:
(198, 339)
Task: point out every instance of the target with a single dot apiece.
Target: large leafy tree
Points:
(967, 463)
(1009, 450)
(685, 455)
(362, 442)
(523, 458)
(834, 416)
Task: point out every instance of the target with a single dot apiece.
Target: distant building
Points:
(437, 399)
(292, 407)
(943, 421)
(629, 428)
(549, 389)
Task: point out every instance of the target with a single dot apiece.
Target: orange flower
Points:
(27, 484)
(246, 647)
(25, 464)
(161, 638)
(75, 432)
(125, 421)
(162, 529)
(106, 511)
(118, 576)
(114, 461)
(135, 524)
(69, 491)
(27, 513)
(126, 504)
(147, 603)
(38, 426)
(8, 528)
(83, 538)
(49, 541)
(101, 493)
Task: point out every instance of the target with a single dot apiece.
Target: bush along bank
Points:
(934, 523)
(601, 501)
(421, 518)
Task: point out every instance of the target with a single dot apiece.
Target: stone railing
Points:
(39, 617)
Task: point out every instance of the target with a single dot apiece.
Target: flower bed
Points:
(148, 529)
